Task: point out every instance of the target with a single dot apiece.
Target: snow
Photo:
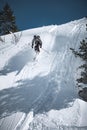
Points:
(71, 116)
(27, 121)
(83, 116)
(41, 93)
(12, 122)
(6, 81)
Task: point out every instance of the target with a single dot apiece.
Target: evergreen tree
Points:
(7, 20)
(82, 53)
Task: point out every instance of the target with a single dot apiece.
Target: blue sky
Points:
(37, 13)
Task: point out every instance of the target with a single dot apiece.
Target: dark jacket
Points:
(37, 43)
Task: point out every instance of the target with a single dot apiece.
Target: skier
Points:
(36, 43)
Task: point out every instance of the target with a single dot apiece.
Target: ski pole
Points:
(45, 50)
(29, 44)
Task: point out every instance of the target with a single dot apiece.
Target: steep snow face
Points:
(47, 83)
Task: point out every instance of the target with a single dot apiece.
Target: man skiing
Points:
(36, 43)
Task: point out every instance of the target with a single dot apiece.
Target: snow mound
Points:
(72, 117)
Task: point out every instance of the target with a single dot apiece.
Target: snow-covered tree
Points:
(82, 81)
(7, 20)
(82, 53)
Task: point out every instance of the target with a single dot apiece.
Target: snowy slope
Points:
(41, 94)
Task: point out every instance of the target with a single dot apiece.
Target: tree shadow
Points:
(38, 94)
(17, 62)
(22, 97)
(52, 99)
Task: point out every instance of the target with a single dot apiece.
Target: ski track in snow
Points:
(31, 87)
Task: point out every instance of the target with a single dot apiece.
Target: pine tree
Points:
(7, 20)
(82, 53)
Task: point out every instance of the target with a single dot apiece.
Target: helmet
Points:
(35, 36)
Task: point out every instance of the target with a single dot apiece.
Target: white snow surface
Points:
(41, 94)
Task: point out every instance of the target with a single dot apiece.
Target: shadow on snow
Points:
(17, 62)
(38, 94)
